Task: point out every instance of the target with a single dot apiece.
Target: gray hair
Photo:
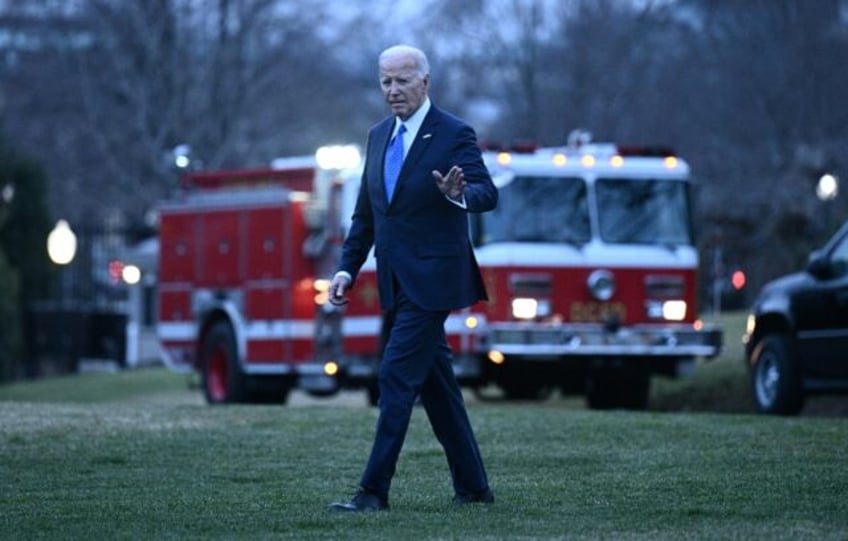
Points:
(422, 64)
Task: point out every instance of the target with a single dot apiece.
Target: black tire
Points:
(520, 381)
(618, 387)
(222, 379)
(525, 388)
(224, 382)
(374, 393)
(775, 377)
(268, 389)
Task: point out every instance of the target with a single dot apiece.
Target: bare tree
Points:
(223, 76)
(750, 92)
(772, 119)
(109, 88)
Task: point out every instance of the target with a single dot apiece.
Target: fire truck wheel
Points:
(524, 388)
(618, 387)
(223, 381)
(373, 394)
(775, 383)
(268, 389)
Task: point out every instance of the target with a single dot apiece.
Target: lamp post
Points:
(62, 247)
(827, 188)
(62, 243)
(7, 194)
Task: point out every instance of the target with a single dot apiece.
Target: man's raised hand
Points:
(452, 184)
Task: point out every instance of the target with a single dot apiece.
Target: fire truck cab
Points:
(591, 265)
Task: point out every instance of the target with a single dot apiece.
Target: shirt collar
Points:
(413, 123)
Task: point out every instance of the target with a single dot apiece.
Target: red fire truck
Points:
(589, 261)
(592, 268)
(242, 267)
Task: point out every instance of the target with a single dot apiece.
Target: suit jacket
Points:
(421, 240)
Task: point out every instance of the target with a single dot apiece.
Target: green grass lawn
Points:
(137, 455)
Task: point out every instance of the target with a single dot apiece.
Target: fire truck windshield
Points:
(537, 209)
(557, 210)
(632, 211)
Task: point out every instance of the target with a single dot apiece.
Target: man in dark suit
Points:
(423, 175)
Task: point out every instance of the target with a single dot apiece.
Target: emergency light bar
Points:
(590, 156)
(299, 178)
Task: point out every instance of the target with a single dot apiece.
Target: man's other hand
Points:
(338, 287)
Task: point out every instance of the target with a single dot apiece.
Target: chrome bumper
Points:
(594, 340)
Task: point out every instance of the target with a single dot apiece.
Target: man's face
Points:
(403, 88)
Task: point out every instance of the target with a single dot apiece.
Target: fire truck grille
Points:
(528, 336)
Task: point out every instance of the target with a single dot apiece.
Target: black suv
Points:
(796, 341)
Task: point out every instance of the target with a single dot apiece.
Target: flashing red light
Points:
(524, 147)
(116, 268)
(737, 279)
(520, 147)
(492, 146)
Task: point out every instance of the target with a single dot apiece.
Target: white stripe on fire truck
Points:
(590, 255)
(176, 331)
(370, 325)
(305, 328)
(255, 330)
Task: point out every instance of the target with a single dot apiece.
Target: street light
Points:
(62, 243)
(827, 187)
(182, 156)
(8, 193)
(62, 247)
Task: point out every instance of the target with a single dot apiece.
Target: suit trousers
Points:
(417, 361)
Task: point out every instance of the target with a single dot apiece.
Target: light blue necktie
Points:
(394, 161)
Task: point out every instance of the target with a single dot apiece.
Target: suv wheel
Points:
(775, 379)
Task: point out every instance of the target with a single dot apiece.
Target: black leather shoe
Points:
(486, 496)
(361, 502)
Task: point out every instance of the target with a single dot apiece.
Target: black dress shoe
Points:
(486, 496)
(362, 502)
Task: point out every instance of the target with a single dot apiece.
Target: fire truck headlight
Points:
(601, 284)
(524, 308)
(674, 310)
(496, 357)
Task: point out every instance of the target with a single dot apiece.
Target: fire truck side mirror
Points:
(314, 216)
(313, 245)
